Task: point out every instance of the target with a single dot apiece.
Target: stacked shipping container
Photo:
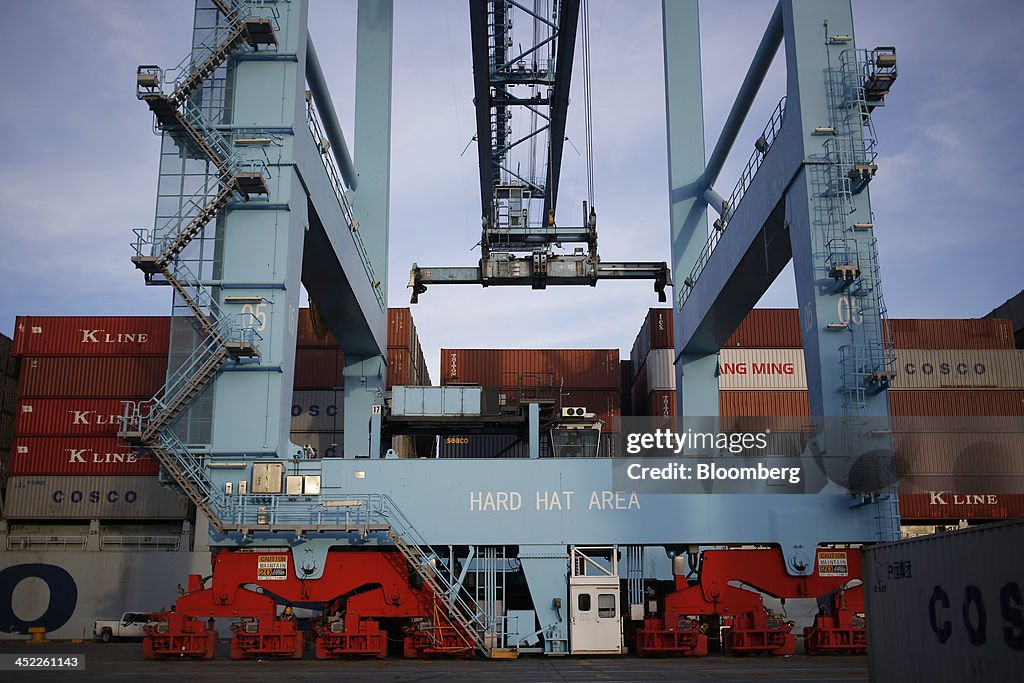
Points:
(318, 419)
(653, 381)
(65, 459)
(959, 368)
(572, 377)
(8, 398)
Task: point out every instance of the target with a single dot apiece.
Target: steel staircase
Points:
(222, 337)
(461, 608)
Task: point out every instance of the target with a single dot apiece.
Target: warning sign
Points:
(833, 563)
(272, 568)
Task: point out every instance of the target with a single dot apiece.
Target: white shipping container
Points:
(318, 411)
(661, 372)
(92, 497)
(767, 369)
(783, 369)
(947, 607)
(959, 369)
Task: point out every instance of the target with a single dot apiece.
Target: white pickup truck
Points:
(130, 626)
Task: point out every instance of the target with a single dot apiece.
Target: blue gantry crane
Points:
(259, 194)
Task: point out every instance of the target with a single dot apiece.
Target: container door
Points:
(596, 623)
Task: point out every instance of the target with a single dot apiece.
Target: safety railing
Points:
(62, 543)
(138, 542)
(334, 174)
(761, 149)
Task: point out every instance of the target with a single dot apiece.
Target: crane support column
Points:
(365, 375)
(688, 208)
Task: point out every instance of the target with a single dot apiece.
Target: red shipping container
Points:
(768, 328)
(62, 455)
(981, 333)
(70, 417)
(565, 368)
(763, 404)
(91, 336)
(941, 506)
(95, 377)
(319, 368)
(661, 404)
(944, 402)
(306, 337)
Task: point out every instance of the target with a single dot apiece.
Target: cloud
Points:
(79, 169)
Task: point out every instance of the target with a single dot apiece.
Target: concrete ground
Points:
(122, 662)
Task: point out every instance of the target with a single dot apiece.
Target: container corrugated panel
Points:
(307, 337)
(91, 336)
(6, 430)
(762, 369)
(327, 444)
(950, 507)
(660, 370)
(570, 368)
(77, 456)
(941, 402)
(71, 416)
(945, 461)
(768, 328)
(319, 368)
(982, 333)
(959, 369)
(660, 404)
(401, 330)
(92, 377)
(318, 411)
(8, 394)
(401, 370)
(483, 446)
(85, 497)
(607, 405)
(946, 607)
(764, 403)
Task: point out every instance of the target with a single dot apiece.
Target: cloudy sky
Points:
(79, 162)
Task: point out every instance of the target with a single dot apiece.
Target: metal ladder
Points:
(867, 362)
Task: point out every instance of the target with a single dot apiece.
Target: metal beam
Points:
(567, 21)
(770, 42)
(482, 99)
(570, 269)
(325, 106)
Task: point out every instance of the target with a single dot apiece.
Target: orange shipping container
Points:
(566, 368)
(768, 328)
(319, 368)
(943, 402)
(763, 403)
(927, 333)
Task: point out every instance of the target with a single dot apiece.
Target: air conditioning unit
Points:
(576, 412)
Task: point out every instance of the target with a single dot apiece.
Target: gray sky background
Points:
(79, 163)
